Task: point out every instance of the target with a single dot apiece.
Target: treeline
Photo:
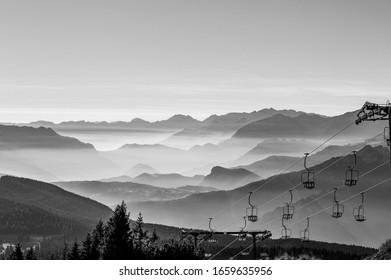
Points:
(298, 252)
(117, 240)
(121, 239)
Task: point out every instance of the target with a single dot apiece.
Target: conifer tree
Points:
(30, 254)
(86, 250)
(98, 241)
(17, 253)
(119, 245)
(74, 253)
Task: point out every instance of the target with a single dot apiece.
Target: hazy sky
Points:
(120, 59)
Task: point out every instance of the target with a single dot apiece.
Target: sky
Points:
(117, 60)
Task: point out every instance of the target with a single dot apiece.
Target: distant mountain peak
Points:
(180, 117)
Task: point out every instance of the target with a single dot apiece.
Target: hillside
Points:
(15, 137)
(52, 199)
(42, 154)
(384, 252)
(271, 165)
(26, 220)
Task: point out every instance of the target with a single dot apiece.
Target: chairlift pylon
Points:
(252, 211)
(352, 175)
(288, 210)
(338, 208)
(285, 232)
(307, 177)
(358, 212)
(305, 234)
(211, 238)
(243, 237)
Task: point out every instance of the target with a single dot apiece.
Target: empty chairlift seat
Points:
(243, 236)
(252, 211)
(285, 232)
(352, 175)
(288, 210)
(358, 212)
(211, 238)
(338, 208)
(308, 176)
(305, 234)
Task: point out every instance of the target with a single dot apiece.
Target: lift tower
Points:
(377, 112)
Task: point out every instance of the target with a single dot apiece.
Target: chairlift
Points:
(242, 236)
(211, 239)
(285, 232)
(337, 207)
(252, 211)
(352, 175)
(305, 234)
(387, 136)
(288, 210)
(358, 212)
(307, 177)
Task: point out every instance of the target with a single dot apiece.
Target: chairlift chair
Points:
(387, 136)
(288, 210)
(242, 236)
(285, 232)
(307, 177)
(252, 211)
(358, 212)
(352, 175)
(211, 238)
(305, 234)
(338, 208)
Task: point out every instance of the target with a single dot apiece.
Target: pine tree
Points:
(119, 245)
(74, 254)
(154, 237)
(87, 248)
(97, 241)
(140, 238)
(17, 253)
(30, 254)
(138, 232)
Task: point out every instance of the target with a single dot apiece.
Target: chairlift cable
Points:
(363, 145)
(370, 188)
(326, 194)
